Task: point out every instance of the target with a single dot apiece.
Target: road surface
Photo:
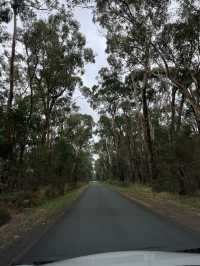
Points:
(103, 221)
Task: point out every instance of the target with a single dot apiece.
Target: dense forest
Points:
(44, 140)
(148, 97)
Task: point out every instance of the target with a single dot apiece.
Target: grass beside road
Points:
(146, 192)
(184, 210)
(24, 221)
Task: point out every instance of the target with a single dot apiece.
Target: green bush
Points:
(16, 199)
(21, 199)
(4, 216)
(39, 196)
(30, 199)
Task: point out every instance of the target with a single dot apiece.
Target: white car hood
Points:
(132, 258)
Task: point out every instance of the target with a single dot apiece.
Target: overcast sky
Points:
(96, 41)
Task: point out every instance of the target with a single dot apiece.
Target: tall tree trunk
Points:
(30, 78)
(131, 161)
(116, 146)
(147, 134)
(172, 125)
(12, 63)
(9, 124)
(108, 154)
(131, 151)
(147, 130)
(46, 130)
(180, 112)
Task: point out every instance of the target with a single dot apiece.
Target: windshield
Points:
(99, 128)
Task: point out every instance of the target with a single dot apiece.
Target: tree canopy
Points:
(148, 96)
(44, 140)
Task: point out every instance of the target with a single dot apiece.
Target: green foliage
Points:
(148, 96)
(20, 199)
(44, 141)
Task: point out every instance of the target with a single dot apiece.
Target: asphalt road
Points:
(104, 221)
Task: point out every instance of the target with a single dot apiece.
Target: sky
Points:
(95, 40)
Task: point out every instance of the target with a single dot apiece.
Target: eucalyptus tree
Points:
(132, 27)
(142, 36)
(46, 69)
(55, 65)
(179, 50)
(72, 159)
(159, 55)
(15, 11)
(106, 97)
(105, 148)
(77, 131)
(22, 9)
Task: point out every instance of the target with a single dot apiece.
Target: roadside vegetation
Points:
(146, 193)
(44, 213)
(148, 95)
(180, 209)
(45, 143)
(148, 99)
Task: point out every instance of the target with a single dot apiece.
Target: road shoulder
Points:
(174, 210)
(17, 237)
